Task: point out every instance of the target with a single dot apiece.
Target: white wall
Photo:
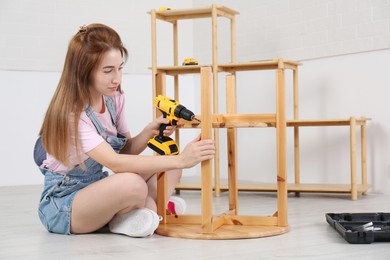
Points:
(344, 86)
(338, 86)
(34, 35)
(297, 29)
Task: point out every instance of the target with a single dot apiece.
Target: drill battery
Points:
(163, 145)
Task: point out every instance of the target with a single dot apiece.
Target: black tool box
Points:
(361, 228)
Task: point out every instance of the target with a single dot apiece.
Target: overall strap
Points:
(94, 119)
(111, 109)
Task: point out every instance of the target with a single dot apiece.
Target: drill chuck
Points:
(182, 112)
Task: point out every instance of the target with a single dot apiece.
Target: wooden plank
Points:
(162, 196)
(214, 31)
(363, 148)
(206, 166)
(326, 122)
(192, 13)
(352, 136)
(196, 124)
(233, 40)
(176, 77)
(175, 45)
(247, 67)
(232, 144)
(162, 181)
(257, 65)
(154, 58)
(233, 121)
(229, 67)
(291, 187)
(265, 120)
(184, 11)
(184, 17)
(281, 149)
(176, 70)
(297, 166)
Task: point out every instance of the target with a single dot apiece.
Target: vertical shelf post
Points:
(206, 126)
(281, 145)
(231, 108)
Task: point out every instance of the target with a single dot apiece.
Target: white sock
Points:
(136, 223)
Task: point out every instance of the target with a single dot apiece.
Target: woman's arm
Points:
(195, 152)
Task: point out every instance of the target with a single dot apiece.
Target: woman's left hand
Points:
(155, 126)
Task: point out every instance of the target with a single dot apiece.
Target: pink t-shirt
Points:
(89, 137)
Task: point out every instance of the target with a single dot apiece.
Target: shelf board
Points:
(291, 187)
(230, 67)
(326, 122)
(233, 121)
(258, 65)
(265, 120)
(176, 70)
(194, 13)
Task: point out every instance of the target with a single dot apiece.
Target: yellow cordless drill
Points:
(173, 111)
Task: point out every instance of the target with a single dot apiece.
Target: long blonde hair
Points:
(84, 54)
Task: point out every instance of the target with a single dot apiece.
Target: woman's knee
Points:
(131, 186)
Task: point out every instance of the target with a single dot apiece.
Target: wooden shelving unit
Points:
(230, 224)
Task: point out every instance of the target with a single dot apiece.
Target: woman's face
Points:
(108, 75)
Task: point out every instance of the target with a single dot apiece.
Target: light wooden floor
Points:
(23, 237)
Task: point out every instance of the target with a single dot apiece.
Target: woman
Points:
(84, 129)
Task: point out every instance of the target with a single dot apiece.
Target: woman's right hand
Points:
(197, 151)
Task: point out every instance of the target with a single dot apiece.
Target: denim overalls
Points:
(59, 189)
